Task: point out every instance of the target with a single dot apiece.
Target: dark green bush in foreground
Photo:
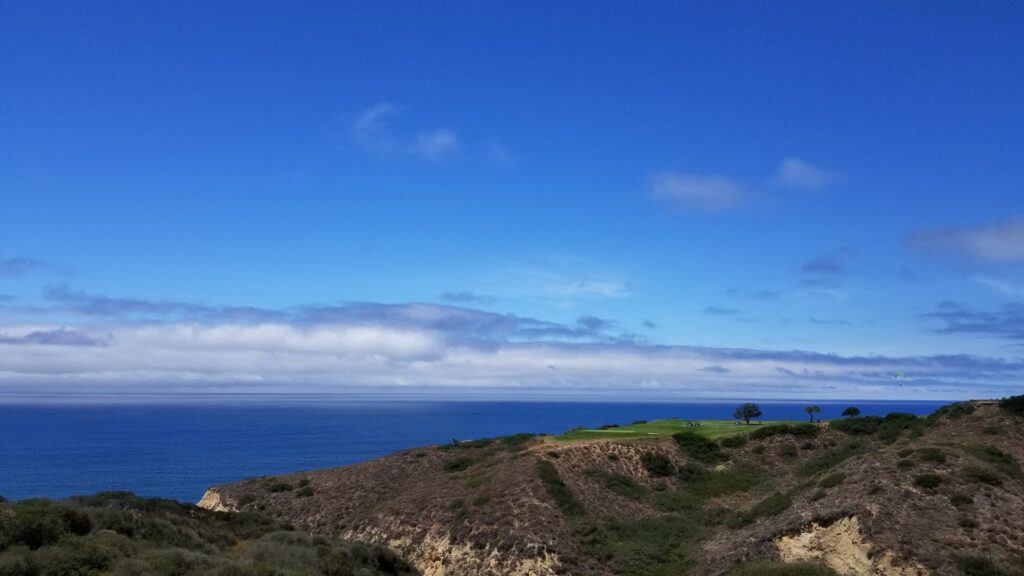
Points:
(737, 441)
(1014, 404)
(800, 430)
(860, 425)
(700, 448)
(977, 566)
(657, 464)
(928, 480)
(559, 492)
(121, 534)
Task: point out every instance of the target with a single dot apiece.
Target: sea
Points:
(176, 449)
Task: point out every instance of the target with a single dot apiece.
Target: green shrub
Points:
(894, 424)
(860, 425)
(657, 465)
(458, 464)
(788, 451)
(904, 464)
(620, 484)
(832, 480)
(559, 492)
(830, 459)
(689, 472)
(699, 448)
(516, 442)
(1001, 460)
(954, 411)
(960, 500)
(928, 480)
(977, 566)
(759, 449)
(905, 452)
(968, 523)
(552, 454)
(803, 430)
(773, 505)
(982, 475)
(737, 478)
(818, 494)
(736, 441)
(481, 500)
(930, 454)
(1013, 404)
(304, 492)
(278, 486)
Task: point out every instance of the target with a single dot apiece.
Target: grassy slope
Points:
(668, 426)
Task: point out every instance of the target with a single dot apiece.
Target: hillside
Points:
(121, 534)
(898, 496)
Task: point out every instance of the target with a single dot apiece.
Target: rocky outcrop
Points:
(212, 500)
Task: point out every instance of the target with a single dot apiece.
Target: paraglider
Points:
(899, 376)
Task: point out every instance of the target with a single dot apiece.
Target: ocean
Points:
(177, 449)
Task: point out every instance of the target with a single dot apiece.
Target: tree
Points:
(747, 411)
(851, 411)
(812, 410)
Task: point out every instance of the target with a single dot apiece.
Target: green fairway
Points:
(655, 428)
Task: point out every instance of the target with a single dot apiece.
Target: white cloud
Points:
(364, 356)
(374, 130)
(436, 145)
(696, 192)
(797, 173)
(999, 242)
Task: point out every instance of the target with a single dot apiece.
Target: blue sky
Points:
(660, 179)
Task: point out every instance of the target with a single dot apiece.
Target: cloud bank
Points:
(998, 242)
(125, 344)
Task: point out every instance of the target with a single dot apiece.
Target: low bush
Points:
(122, 534)
(559, 492)
(800, 430)
(304, 492)
(657, 465)
(982, 475)
(818, 494)
(775, 504)
(699, 448)
(992, 455)
(458, 464)
(860, 425)
(788, 451)
(954, 411)
(737, 441)
(960, 500)
(978, 566)
(832, 480)
(930, 454)
(928, 480)
(1013, 404)
(830, 459)
(481, 500)
(625, 486)
(905, 452)
(552, 454)
(278, 486)
(894, 424)
(904, 464)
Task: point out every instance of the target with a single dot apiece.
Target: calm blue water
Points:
(177, 450)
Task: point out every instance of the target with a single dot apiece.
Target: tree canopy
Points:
(747, 411)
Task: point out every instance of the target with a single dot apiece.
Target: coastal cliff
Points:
(894, 496)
